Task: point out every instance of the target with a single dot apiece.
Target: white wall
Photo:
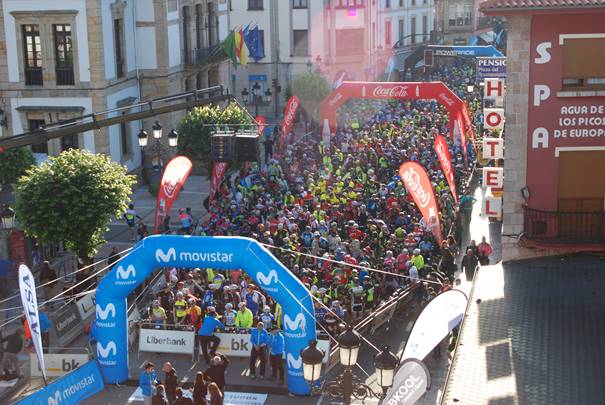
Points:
(174, 37)
(85, 102)
(115, 143)
(145, 10)
(146, 50)
(11, 31)
(108, 49)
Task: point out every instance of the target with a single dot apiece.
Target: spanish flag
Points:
(241, 50)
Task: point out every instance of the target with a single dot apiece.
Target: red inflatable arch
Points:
(403, 90)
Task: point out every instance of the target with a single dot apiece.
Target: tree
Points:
(196, 128)
(71, 198)
(14, 163)
(311, 89)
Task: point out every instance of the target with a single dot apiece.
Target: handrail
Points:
(563, 227)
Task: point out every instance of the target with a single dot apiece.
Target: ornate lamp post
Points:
(347, 385)
(157, 149)
(7, 218)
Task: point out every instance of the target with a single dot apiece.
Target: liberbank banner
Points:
(166, 341)
(70, 389)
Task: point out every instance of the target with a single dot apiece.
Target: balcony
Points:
(206, 56)
(564, 228)
(33, 76)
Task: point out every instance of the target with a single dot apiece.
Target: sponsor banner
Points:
(418, 183)
(443, 153)
(460, 131)
(57, 365)
(434, 323)
(166, 341)
(27, 288)
(410, 383)
(86, 305)
(175, 175)
(218, 171)
(66, 320)
(470, 51)
(289, 116)
(71, 389)
(261, 120)
(339, 77)
(490, 67)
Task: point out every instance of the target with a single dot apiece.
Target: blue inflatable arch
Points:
(225, 253)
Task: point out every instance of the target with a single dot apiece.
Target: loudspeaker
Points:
(222, 147)
(247, 146)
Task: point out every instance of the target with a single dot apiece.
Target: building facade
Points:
(305, 35)
(554, 166)
(405, 23)
(67, 58)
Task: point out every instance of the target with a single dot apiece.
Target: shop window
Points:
(584, 63)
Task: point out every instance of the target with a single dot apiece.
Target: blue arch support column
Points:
(225, 253)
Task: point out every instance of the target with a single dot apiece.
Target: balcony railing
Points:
(65, 76)
(561, 227)
(33, 76)
(206, 56)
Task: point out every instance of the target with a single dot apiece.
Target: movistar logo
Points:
(162, 257)
(294, 362)
(109, 350)
(266, 280)
(298, 322)
(104, 313)
(126, 275)
(55, 399)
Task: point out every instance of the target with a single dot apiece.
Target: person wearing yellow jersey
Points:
(244, 317)
(180, 308)
(278, 315)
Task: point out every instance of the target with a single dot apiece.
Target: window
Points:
(425, 28)
(413, 33)
(32, 55)
(401, 3)
(301, 43)
(70, 142)
(64, 64)
(211, 36)
(300, 3)
(387, 3)
(387, 33)
(413, 2)
(186, 34)
(460, 15)
(125, 139)
(198, 26)
(40, 147)
(255, 4)
(401, 30)
(583, 63)
(349, 3)
(117, 39)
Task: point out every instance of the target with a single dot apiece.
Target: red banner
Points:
(175, 175)
(460, 126)
(289, 115)
(443, 154)
(418, 183)
(261, 120)
(218, 171)
(468, 122)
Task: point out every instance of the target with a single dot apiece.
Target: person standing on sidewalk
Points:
(268, 143)
(259, 338)
(147, 382)
(469, 264)
(130, 216)
(45, 325)
(484, 250)
(171, 381)
(276, 354)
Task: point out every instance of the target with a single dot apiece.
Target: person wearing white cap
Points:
(157, 315)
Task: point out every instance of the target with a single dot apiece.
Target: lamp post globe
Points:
(312, 358)
(245, 94)
(143, 137)
(7, 216)
(349, 342)
(157, 130)
(385, 363)
(173, 138)
(268, 94)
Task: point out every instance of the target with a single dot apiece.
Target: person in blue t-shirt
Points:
(276, 353)
(206, 333)
(259, 338)
(44, 329)
(147, 380)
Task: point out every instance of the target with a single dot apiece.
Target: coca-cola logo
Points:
(170, 188)
(443, 97)
(412, 180)
(335, 99)
(289, 118)
(445, 162)
(396, 91)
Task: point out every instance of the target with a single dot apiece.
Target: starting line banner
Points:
(70, 389)
(166, 341)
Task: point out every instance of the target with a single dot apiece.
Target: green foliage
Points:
(196, 128)
(311, 88)
(71, 198)
(14, 163)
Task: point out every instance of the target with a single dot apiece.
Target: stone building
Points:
(66, 58)
(554, 162)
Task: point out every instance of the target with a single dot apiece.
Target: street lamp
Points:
(245, 94)
(157, 149)
(347, 385)
(268, 95)
(309, 65)
(173, 138)
(157, 130)
(7, 216)
(143, 138)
